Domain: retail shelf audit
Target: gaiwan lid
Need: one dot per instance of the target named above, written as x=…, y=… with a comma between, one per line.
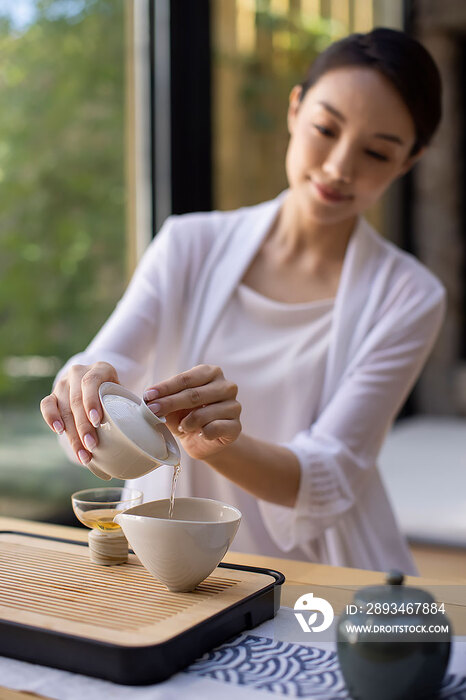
x=392, y=592
x=129, y=414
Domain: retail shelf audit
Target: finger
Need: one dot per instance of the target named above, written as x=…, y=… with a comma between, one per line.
x=194, y=377
x=214, y=392
x=90, y=383
x=194, y=421
x=51, y=414
x=70, y=429
x=224, y=430
x=83, y=436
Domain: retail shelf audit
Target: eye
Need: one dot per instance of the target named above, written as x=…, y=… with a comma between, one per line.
x=377, y=156
x=323, y=130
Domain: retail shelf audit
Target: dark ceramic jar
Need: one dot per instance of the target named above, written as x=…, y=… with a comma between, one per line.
x=401, y=651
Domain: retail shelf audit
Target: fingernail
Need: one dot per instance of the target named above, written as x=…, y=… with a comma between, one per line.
x=155, y=407
x=90, y=442
x=94, y=417
x=151, y=395
x=84, y=457
x=58, y=427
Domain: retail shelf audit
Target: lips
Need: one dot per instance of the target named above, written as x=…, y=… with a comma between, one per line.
x=329, y=194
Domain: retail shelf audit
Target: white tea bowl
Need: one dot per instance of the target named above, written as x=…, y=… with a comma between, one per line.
x=132, y=440
x=180, y=551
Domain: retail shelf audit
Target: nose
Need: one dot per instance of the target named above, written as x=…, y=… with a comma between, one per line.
x=339, y=163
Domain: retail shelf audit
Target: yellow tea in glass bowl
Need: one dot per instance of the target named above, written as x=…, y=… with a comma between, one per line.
x=100, y=518
x=96, y=508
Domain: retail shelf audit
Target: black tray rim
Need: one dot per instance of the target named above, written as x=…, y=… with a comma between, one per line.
x=276, y=584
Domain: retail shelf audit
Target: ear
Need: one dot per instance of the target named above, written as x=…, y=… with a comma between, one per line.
x=411, y=161
x=293, y=107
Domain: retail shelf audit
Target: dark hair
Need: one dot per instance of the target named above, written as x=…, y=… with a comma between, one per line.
x=403, y=60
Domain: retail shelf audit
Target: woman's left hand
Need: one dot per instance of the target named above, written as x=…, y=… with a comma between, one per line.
x=200, y=407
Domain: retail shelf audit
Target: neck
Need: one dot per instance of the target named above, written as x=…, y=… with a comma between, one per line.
x=294, y=235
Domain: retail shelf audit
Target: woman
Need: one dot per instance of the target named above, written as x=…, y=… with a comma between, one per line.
x=294, y=313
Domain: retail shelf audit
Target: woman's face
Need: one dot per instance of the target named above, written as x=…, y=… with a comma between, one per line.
x=350, y=137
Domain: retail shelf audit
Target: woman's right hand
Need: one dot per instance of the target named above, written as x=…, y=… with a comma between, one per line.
x=74, y=406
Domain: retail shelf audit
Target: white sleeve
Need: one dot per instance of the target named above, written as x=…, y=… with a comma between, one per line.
x=337, y=452
x=128, y=338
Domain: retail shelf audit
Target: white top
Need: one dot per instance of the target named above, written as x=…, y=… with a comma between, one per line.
x=265, y=347
x=387, y=313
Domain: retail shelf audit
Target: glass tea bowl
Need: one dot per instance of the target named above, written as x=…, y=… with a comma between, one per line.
x=96, y=508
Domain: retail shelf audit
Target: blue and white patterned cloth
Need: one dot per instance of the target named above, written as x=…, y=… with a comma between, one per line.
x=272, y=663
x=291, y=670
x=283, y=668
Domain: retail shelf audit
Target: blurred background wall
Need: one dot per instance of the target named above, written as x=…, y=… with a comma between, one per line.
x=437, y=203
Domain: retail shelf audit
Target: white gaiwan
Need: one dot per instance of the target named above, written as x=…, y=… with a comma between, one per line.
x=180, y=551
x=132, y=440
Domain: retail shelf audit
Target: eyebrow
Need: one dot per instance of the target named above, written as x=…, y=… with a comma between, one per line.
x=390, y=137
x=333, y=111
x=387, y=137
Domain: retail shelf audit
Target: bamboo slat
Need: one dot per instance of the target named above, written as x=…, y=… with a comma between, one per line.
x=55, y=586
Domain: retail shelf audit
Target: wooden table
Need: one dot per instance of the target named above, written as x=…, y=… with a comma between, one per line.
x=335, y=584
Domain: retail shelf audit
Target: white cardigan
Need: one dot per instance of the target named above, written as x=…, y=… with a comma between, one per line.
x=388, y=311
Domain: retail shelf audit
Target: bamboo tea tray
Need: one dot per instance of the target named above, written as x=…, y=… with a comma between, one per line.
x=59, y=609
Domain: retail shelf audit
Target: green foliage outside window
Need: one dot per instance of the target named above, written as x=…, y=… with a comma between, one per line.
x=62, y=190
x=286, y=46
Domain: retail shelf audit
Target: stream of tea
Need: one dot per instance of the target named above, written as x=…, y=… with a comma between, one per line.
x=176, y=473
